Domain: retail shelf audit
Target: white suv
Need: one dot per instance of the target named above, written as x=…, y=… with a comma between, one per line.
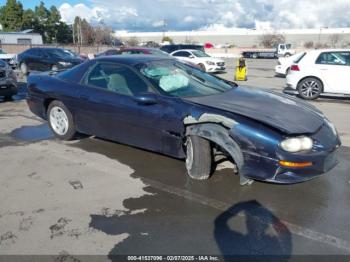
x=320, y=72
x=204, y=61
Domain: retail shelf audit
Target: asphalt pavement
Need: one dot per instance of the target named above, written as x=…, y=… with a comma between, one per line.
x=97, y=197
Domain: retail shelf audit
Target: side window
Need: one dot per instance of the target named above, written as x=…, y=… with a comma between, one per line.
x=182, y=54
x=116, y=78
x=334, y=58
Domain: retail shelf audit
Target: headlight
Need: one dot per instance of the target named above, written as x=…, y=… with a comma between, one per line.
x=297, y=144
x=210, y=63
x=64, y=63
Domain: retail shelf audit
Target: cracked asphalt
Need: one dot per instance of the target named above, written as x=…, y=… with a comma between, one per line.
x=97, y=197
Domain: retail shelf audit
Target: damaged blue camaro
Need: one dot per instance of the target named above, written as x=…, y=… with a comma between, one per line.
x=165, y=106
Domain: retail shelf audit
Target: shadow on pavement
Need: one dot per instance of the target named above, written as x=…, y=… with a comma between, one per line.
x=265, y=233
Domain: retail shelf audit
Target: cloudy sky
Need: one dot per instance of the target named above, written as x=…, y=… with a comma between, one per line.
x=149, y=15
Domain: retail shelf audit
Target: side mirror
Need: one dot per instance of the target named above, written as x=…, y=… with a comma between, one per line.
x=191, y=56
x=146, y=99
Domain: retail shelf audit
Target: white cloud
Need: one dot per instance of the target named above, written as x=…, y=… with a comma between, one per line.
x=194, y=14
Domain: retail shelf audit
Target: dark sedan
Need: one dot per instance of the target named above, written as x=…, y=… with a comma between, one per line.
x=8, y=81
x=162, y=105
x=47, y=59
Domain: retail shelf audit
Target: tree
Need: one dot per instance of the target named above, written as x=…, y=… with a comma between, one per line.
x=132, y=41
x=103, y=35
x=53, y=24
x=167, y=39
x=11, y=16
x=271, y=40
x=29, y=20
x=309, y=44
x=334, y=39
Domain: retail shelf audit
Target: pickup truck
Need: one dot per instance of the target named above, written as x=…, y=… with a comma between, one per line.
x=281, y=50
x=8, y=58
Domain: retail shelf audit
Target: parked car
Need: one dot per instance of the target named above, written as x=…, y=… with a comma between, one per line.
x=8, y=58
x=46, y=59
x=203, y=60
x=320, y=72
x=162, y=105
x=8, y=81
x=173, y=47
x=109, y=52
x=143, y=51
x=284, y=63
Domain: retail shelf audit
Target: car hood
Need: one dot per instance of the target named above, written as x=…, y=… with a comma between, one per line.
x=289, y=115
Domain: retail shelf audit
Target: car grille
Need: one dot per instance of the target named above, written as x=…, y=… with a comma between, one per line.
x=2, y=74
x=220, y=64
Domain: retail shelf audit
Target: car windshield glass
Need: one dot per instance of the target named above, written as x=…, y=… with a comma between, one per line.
x=200, y=54
x=62, y=53
x=176, y=79
x=2, y=52
x=2, y=63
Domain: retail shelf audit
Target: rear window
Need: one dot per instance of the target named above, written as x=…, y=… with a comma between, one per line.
x=296, y=61
x=76, y=73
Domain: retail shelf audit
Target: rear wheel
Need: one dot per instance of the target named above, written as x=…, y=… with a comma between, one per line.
x=255, y=56
x=310, y=88
x=198, y=157
x=61, y=121
x=8, y=98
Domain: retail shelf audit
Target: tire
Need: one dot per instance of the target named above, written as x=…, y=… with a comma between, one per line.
x=202, y=67
x=255, y=56
x=8, y=98
x=24, y=68
x=198, y=157
x=310, y=88
x=54, y=68
x=287, y=55
x=61, y=121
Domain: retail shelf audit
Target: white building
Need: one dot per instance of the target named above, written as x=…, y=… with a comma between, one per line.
x=243, y=37
x=23, y=38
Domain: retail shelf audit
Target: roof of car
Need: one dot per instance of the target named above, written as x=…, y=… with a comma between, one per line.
x=140, y=48
x=132, y=59
x=330, y=50
x=188, y=50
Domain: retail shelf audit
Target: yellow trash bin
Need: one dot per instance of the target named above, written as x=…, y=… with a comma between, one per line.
x=241, y=70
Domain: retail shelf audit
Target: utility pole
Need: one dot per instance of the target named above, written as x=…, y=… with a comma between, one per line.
x=164, y=27
x=73, y=27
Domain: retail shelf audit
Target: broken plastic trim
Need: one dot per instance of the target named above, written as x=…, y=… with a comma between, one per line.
x=210, y=118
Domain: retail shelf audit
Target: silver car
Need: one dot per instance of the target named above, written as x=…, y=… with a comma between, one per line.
x=8, y=81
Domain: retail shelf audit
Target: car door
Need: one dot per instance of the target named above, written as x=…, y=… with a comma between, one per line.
x=110, y=107
x=184, y=55
x=334, y=68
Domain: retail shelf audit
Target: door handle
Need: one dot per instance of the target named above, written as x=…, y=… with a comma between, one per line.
x=324, y=69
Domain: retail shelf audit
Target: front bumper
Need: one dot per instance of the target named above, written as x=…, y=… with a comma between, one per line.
x=323, y=157
x=8, y=86
x=215, y=69
x=269, y=170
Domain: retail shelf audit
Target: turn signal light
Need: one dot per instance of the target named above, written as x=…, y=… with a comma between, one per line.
x=294, y=68
x=294, y=164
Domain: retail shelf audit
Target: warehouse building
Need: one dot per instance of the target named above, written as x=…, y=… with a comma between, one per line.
x=21, y=38
x=242, y=37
